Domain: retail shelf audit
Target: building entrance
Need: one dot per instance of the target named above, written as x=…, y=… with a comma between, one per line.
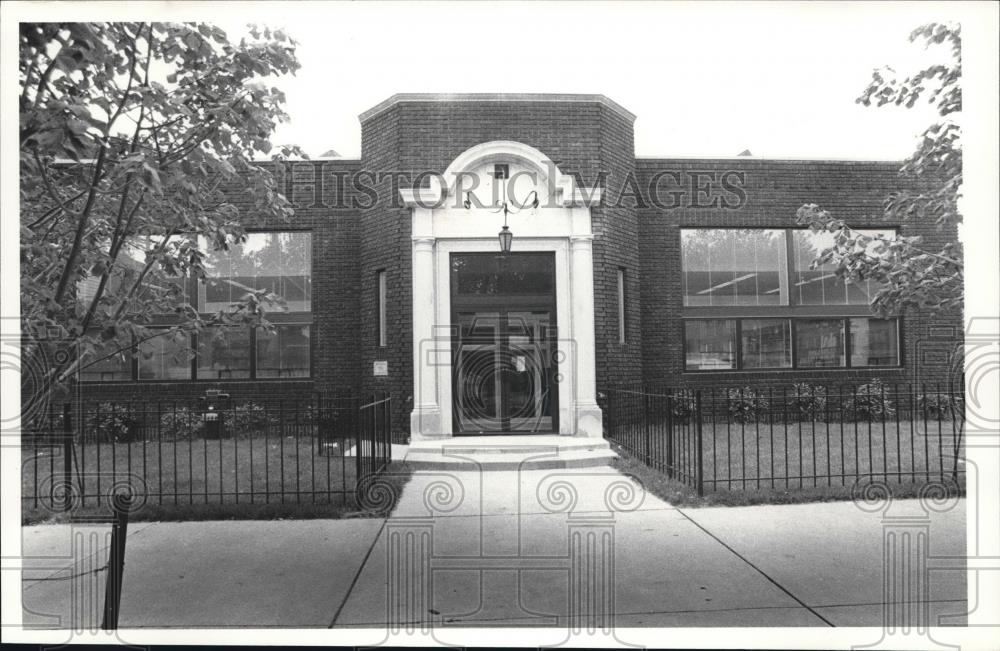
x=504, y=344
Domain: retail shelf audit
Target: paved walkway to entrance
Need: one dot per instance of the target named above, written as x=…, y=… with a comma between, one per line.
x=535, y=548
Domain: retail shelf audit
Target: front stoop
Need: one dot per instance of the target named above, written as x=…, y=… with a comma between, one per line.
x=509, y=452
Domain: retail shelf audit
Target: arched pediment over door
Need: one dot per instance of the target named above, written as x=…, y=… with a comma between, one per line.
x=457, y=212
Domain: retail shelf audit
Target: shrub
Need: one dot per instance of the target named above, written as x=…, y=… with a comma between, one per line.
x=808, y=400
x=870, y=402
x=247, y=418
x=682, y=407
x=109, y=423
x=940, y=405
x=746, y=405
x=181, y=423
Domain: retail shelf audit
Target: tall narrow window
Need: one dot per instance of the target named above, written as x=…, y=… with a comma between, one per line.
x=621, y=305
x=382, y=286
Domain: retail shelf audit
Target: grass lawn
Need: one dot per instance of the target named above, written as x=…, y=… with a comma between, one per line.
x=679, y=494
x=809, y=458
x=249, y=477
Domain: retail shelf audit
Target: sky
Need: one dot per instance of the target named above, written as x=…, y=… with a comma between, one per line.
x=712, y=79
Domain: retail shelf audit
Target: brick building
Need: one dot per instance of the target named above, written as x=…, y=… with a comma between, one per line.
x=622, y=269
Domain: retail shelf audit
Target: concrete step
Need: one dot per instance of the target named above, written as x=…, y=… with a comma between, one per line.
x=509, y=453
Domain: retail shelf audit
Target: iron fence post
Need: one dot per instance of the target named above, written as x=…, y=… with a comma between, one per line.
x=668, y=449
x=700, y=470
x=68, y=455
x=121, y=503
x=645, y=427
x=359, y=439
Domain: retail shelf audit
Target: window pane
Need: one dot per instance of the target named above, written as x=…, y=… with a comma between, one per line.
x=162, y=292
x=284, y=353
x=490, y=274
x=821, y=286
x=874, y=342
x=166, y=357
x=224, y=353
x=767, y=343
x=710, y=344
x=279, y=262
x=116, y=367
x=819, y=343
x=734, y=266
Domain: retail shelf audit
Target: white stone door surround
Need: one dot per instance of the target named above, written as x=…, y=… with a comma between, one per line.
x=561, y=224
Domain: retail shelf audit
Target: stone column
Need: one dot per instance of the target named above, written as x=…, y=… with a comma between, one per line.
x=588, y=414
x=425, y=419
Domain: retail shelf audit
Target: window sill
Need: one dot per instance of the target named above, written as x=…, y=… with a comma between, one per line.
x=814, y=369
x=199, y=382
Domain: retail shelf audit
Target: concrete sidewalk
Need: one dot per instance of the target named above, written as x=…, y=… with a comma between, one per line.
x=503, y=548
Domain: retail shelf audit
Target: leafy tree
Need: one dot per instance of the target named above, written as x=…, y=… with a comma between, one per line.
x=133, y=138
x=912, y=275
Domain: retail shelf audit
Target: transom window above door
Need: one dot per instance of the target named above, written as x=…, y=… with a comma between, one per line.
x=493, y=274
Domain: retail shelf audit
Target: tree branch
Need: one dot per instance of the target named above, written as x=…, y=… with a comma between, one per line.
x=957, y=263
x=51, y=190
x=84, y=217
x=43, y=82
x=131, y=78
x=88, y=206
x=142, y=275
x=54, y=211
x=118, y=239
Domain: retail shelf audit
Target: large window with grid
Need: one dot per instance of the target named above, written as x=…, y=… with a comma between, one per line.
x=279, y=262
x=752, y=302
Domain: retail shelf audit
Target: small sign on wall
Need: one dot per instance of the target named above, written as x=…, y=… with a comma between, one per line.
x=380, y=368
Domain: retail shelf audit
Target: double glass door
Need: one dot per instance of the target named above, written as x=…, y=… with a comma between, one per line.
x=504, y=366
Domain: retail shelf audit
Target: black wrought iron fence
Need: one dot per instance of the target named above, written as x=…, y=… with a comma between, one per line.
x=805, y=435
x=374, y=436
x=207, y=451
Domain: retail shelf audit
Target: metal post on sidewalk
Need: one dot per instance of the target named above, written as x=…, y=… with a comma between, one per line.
x=121, y=503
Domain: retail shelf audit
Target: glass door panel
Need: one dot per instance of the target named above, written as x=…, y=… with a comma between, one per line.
x=477, y=392
x=526, y=375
